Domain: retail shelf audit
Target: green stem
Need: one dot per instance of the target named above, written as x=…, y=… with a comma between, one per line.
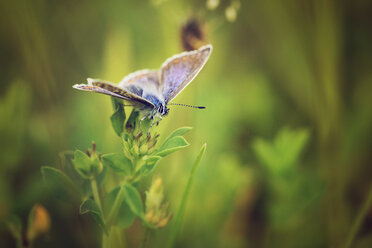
x=19, y=242
x=181, y=209
x=106, y=240
x=95, y=192
x=359, y=220
x=145, y=237
x=115, y=207
x=119, y=237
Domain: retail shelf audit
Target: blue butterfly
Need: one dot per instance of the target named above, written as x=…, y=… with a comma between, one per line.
x=151, y=91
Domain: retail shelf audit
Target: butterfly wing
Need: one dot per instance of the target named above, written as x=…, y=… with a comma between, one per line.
x=104, y=87
x=178, y=71
x=145, y=84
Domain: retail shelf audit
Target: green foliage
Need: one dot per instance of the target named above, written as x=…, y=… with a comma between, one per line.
x=133, y=199
x=122, y=203
x=132, y=124
x=14, y=225
x=118, y=117
x=280, y=63
x=87, y=167
x=61, y=185
x=178, y=132
x=171, y=145
x=118, y=162
x=14, y=112
x=294, y=190
x=149, y=165
x=182, y=207
x=117, y=210
x=282, y=154
x=88, y=206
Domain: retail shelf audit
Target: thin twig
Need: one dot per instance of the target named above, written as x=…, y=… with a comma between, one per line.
x=359, y=220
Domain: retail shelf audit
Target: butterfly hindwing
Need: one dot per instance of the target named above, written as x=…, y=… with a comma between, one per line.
x=178, y=71
x=145, y=84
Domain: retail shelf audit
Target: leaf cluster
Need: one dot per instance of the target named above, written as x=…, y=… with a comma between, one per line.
x=120, y=204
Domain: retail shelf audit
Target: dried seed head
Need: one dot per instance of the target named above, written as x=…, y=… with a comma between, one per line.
x=94, y=146
x=138, y=136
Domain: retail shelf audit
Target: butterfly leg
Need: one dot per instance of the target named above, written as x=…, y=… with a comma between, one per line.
x=140, y=122
x=152, y=123
x=159, y=119
x=144, y=118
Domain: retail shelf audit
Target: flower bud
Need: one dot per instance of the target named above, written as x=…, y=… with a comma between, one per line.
x=88, y=164
x=156, y=210
x=38, y=222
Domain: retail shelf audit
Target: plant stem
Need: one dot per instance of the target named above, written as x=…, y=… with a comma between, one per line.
x=19, y=242
x=119, y=240
x=115, y=207
x=145, y=237
x=181, y=209
x=95, y=192
x=106, y=240
x=359, y=220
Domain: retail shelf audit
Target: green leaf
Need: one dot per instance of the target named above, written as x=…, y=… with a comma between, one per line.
x=178, y=132
x=118, y=117
x=133, y=199
x=266, y=153
x=290, y=143
x=117, y=104
x=86, y=167
x=67, y=166
x=172, y=145
x=182, y=207
x=149, y=166
x=117, y=210
x=82, y=164
x=132, y=121
x=117, y=121
x=283, y=153
x=59, y=183
x=118, y=162
x=88, y=206
x=14, y=225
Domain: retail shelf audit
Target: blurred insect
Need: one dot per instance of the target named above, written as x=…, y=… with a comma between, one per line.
x=193, y=34
x=150, y=91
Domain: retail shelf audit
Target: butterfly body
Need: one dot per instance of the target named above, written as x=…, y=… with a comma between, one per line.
x=150, y=91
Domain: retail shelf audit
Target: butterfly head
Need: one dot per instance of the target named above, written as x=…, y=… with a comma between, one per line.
x=163, y=110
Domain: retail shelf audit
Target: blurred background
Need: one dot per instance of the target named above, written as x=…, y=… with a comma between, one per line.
x=288, y=123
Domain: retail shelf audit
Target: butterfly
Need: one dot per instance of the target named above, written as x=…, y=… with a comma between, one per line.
x=151, y=91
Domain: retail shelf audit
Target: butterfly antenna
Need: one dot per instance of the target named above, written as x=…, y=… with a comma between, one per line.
x=185, y=105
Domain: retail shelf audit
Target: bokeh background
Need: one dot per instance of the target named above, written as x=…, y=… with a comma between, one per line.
x=288, y=123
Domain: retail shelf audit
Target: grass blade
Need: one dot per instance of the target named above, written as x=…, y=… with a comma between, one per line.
x=181, y=209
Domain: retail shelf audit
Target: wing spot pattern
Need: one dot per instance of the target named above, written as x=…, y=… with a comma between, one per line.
x=135, y=90
x=153, y=99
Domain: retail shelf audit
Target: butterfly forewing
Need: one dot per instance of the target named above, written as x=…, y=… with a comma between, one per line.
x=177, y=72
